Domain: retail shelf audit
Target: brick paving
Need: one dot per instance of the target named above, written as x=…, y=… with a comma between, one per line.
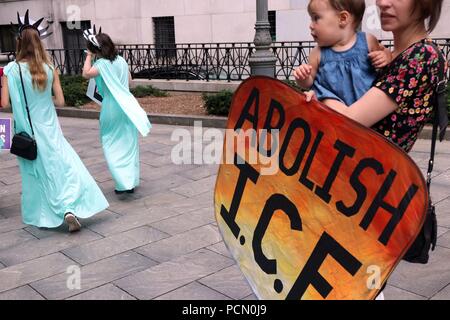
x=162, y=242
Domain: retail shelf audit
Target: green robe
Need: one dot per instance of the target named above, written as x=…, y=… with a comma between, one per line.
x=57, y=182
x=121, y=119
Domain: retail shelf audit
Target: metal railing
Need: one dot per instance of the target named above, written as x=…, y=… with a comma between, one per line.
x=219, y=61
x=212, y=61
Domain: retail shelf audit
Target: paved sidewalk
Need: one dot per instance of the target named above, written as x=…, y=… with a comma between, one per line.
x=163, y=242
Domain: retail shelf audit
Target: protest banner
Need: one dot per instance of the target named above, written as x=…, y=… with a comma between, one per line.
x=92, y=92
x=336, y=218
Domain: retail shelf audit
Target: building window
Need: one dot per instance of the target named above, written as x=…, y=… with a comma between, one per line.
x=74, y=44
x=273, y=25
x=8, y=38
x=73, y=35
x=164, y=32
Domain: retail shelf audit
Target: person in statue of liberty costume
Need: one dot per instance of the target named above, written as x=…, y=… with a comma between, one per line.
x=56, y=186
x=121, y=117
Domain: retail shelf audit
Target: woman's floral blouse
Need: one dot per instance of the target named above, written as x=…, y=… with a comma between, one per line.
x=410, y=80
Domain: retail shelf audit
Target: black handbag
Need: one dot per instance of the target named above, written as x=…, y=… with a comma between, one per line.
x=427, y=238
x=23, y=145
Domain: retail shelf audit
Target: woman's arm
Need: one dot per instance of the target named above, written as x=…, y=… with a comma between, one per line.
x=57, y=90
x=374, y=106
x=88, y=70
x=5, y=93
x=378, y=54
x=408, y=84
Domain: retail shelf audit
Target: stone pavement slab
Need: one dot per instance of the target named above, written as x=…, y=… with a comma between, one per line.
x=9, y=200
x=36, y=248
x=229, y=282
x=193, y=291
x=444, y=240
x=162, y=242
x=181, y=244
x=168, y=276
x=106, y=292
x=11, y=224
x=200, y=201
x=21, y=293
x=132, y=204
x=201, y=172
x=132, y=220
x=186, y=222
x=393, y=293
x=94, y=275
x=443, y=213
x=197, y=187
x=34, y=270
x=116, y=244
x=14, y=238
x=148, y=173
x=444, y=294
x=157, y=186
x=221, y=248
x=424, y=280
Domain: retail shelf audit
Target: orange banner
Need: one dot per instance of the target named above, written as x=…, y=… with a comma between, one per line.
x=337, y=213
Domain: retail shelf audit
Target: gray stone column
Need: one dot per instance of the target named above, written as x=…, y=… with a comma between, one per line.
x=262, y=61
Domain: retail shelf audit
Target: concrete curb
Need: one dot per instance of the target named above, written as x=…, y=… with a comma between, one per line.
x=184, y=120
x=166, y=119
x=188, y=86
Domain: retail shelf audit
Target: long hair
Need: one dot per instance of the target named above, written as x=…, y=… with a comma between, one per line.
x=108, y=49
x=31, y=49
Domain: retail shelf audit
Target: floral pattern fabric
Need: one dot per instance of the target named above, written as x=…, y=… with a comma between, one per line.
x=410, y=80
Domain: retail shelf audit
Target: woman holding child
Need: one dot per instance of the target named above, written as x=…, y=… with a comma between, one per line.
x=399, y=102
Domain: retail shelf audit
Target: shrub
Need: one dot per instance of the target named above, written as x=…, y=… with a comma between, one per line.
x=74, y=88
x=293, y=85
x=145, y=91
x=219, y=103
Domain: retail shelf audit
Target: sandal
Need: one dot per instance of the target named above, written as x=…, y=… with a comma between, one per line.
x=72, y=222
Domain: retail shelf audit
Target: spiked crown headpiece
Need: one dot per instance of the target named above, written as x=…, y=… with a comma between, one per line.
x=91, y=36
x=26, y=23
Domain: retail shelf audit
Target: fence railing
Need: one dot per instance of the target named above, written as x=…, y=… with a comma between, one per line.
x=213, y=61
x=220, y=61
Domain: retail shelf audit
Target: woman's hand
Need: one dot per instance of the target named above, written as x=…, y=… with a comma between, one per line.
x=90, y=54
x=380, y=58
x=88, y=70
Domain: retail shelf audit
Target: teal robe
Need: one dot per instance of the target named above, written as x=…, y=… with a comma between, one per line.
x=121, y=119
x=57, y=182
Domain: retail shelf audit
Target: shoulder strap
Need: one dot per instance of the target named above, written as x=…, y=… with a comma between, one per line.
x=25, y=96
x=441, y=94
x=440, y=111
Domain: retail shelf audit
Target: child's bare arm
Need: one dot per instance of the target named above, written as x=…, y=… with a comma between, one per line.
x=378, y=54
x=306, y=73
